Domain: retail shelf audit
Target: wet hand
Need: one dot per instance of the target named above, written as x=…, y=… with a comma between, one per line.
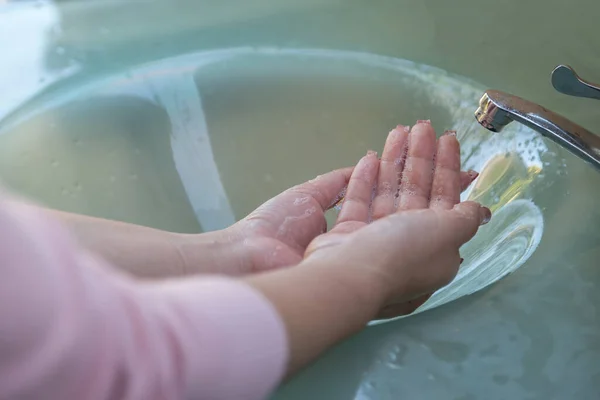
x=412, y=247
x=277, y=233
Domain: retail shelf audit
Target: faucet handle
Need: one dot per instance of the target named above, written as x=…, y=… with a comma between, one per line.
x=565, y=80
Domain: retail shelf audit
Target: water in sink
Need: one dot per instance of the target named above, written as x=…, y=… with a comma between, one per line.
x=197, y=141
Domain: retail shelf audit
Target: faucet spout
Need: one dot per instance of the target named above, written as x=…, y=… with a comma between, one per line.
x=497, y=109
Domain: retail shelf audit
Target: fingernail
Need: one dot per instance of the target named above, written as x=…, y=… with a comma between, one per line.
x=485, y=215
x=396, y=131
x=423, y=121
x=449, y=133
x=401, y=128
x=371, y=153
x=461, y=260
x=473, y=174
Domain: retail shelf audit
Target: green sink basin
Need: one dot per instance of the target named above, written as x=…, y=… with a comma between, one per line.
x=187, y=117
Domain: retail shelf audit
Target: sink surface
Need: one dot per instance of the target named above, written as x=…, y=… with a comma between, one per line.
x=135, y=121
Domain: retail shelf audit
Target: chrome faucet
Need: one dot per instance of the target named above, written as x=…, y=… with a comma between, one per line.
x=497, y=109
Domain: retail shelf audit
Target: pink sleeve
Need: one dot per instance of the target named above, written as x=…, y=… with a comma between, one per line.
x=71, y=328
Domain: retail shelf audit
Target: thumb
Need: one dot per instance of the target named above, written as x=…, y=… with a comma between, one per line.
x=327, y=188
x=464, y=220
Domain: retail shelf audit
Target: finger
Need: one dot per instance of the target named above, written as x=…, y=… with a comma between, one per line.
x=418, y=169
x=446, y=186
x=326, y=189
x=357, y=201
x=466, y=178
x=462, y=222
x=390, y=169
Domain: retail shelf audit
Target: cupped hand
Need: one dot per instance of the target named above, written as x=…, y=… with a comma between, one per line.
x=414, y=242
x=278, y=233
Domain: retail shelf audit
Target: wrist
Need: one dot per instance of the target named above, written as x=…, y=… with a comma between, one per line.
x=367, y=290
x=216, y=252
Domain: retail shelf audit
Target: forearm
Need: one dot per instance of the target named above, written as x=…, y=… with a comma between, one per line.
x=145, y=252
x=319, y=305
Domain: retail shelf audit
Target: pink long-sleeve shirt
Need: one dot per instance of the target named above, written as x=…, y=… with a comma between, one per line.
x=71, y=327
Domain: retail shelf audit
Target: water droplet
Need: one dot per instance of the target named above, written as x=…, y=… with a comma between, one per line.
x=60, y=50
x=310, y=211
x=301, y=200
x=396, y=356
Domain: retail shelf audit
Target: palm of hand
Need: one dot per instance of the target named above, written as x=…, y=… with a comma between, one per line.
x=289, y=227
x=277, y=233
x=412, y=175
